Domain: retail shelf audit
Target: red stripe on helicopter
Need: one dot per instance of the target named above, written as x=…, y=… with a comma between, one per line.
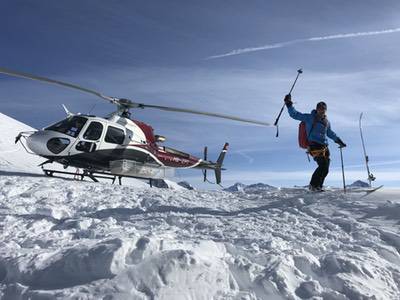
x=169, y=159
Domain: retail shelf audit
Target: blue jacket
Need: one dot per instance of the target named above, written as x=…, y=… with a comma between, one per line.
x=320, y=130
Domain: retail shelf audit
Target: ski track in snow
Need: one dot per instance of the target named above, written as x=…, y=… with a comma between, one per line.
x=66, y=239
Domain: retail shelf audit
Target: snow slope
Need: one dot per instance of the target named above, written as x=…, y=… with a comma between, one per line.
x=64, y=239
x=12, y=156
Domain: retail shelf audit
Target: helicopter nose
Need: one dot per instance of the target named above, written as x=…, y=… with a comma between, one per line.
x=47, y=143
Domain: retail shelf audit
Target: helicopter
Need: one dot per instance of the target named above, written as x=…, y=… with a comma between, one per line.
x=116, y=145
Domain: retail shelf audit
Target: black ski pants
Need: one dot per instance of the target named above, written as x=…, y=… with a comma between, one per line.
x=322, y=158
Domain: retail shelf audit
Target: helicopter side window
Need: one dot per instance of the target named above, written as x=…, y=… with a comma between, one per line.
x=93, y=132
x=114, y=135
x=71, y=126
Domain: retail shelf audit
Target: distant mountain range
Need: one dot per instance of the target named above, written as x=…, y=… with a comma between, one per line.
x=241, y=187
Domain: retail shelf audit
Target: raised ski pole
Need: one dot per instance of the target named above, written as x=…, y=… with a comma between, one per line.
x=299, y=71
x=341, y=159
x=370, y=175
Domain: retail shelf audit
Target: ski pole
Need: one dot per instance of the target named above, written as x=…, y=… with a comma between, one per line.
x=299, y=71
x=341, y=159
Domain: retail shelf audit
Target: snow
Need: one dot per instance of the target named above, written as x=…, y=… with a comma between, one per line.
x=66, y=239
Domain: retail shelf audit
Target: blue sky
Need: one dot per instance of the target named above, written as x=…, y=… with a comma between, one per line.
x=158, y=52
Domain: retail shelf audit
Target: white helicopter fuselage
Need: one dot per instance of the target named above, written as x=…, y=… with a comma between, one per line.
x=96, y=143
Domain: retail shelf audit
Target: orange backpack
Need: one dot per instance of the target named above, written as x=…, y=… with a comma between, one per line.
x=303, y=138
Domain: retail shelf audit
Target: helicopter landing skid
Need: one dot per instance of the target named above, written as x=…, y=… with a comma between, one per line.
x=94, y=175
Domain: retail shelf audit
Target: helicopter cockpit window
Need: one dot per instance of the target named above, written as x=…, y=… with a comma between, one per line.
x=115, y=135
x=93, y=132
x=71, y=126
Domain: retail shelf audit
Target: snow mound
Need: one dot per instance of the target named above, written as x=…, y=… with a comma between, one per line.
x=186, y=185
x=167, y=184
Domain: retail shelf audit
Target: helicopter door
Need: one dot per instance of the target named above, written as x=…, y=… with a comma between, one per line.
x=90, y=140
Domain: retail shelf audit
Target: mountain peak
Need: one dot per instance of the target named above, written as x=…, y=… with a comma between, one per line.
x=359, y=183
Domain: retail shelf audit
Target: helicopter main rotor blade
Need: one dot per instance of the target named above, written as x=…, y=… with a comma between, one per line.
x=126, y=103
x=57, y=82
x=196, y=112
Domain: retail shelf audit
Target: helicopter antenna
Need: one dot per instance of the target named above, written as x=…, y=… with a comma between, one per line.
x=93, y=106
x=125, y=104
x=69, y=114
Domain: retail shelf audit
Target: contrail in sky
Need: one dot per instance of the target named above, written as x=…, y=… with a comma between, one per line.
x=312, y=39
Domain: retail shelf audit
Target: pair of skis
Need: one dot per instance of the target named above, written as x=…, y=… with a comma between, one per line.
x=367, y=191
x=364, y=191
x=371, y=177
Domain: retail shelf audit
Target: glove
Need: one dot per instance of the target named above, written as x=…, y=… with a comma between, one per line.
x=340, y=143
x=288, y=100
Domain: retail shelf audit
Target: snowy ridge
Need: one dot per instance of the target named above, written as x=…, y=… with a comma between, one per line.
x=65, y=239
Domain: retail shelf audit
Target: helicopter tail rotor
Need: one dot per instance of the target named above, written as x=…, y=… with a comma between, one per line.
x=220, y=160
x=205, y=159
x=216, y=166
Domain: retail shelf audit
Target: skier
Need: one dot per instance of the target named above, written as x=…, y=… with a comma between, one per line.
x=317, y=129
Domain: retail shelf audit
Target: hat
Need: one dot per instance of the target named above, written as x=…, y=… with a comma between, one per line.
x=322, y=104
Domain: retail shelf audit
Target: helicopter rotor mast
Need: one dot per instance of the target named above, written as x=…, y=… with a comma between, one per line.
x=125, y=104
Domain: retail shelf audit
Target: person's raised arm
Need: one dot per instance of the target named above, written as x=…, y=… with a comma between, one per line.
x=293, y=113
